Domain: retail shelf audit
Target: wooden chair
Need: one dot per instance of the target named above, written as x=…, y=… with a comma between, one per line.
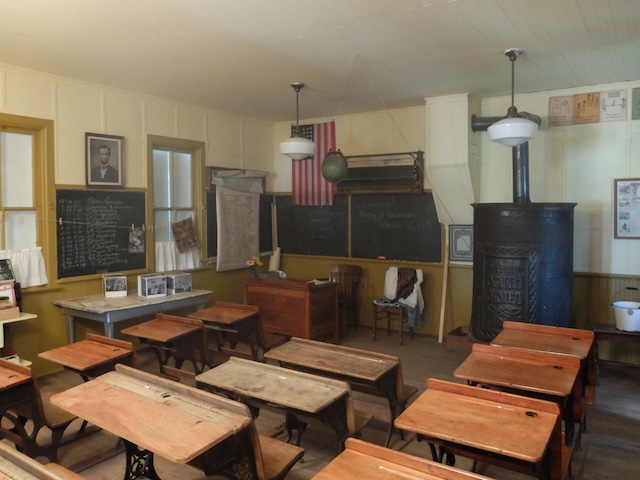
x=348, y=279
x=24, y=413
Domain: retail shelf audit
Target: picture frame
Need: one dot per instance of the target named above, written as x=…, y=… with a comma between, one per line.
x=626, y=201
x=6, y=271
x=461, y=243
x=114, y=285
x=104, y=155
x=7, y=295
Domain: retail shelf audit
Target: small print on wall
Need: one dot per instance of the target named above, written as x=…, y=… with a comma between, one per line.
x=561, y=111
x=105, y=160
x=586, y=108
x=613, y=105
x=627, y=208
x=461, y=243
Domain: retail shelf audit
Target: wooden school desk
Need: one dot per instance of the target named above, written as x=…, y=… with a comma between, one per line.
x=561, y=340
x=110, y=311
x=507, y=430
x=152, y=415
x=369, y=372
x=527, y=372
x=237, y=320
x=93, y=356
x=299, y=395
x=174, y=337
x=17, y=466
x=365, y=460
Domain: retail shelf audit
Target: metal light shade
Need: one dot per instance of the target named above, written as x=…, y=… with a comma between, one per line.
x=512, y=131
x=298, y=148
x=334, y=166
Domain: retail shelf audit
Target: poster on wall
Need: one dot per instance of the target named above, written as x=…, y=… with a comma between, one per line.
x=613, y=105
x=635, y=108
x=561, y=111
x=586, y=108
x=627, y=208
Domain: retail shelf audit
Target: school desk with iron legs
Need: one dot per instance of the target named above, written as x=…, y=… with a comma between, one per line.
x=300, y=396
x=365, y=371
x=527, y=372
x=154, y=415
x=511, y=431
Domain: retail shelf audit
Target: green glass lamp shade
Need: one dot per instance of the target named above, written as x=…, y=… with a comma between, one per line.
x=334, y=167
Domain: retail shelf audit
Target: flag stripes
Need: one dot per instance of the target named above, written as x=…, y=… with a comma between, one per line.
x=308, y=187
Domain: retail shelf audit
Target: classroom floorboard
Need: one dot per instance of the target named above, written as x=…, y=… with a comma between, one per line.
x=610, y=447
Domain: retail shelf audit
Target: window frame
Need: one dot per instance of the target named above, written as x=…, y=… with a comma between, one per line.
x=197, y=151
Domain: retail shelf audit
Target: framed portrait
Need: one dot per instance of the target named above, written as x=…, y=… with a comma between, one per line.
x=6, y=272
x=105, y=160
x=461, y=243
x=626, y=202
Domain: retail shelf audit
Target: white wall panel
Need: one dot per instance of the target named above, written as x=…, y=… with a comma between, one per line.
x=161, y=117
x=224, y=140
x=28, y=94
x=192, y=123
x=257, y=141
x=80, y=109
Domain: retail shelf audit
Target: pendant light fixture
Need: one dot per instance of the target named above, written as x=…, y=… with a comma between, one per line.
x=297, y=147
x=512, y=130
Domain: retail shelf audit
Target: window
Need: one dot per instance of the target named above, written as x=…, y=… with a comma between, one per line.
x=25, y=189
x=177, y=194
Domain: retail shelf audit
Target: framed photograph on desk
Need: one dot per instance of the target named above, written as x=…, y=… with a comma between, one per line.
x=6, y=271
x=105, y=160
x=461, y=243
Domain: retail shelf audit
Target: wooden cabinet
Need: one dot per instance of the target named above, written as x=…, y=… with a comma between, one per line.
x=294, y=307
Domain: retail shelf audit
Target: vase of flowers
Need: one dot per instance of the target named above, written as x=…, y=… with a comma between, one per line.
x=253, y=263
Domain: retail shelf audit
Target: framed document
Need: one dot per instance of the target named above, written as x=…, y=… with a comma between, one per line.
x=627, y=208
x=105, y=160
x=461, y=243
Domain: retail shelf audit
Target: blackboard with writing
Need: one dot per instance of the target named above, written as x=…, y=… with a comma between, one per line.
x=396, y=227
x=99, y=231
x=307, y=230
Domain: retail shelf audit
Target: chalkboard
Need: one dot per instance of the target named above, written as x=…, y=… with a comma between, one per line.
x=314, y=230
x=95, y=232
x=265, y=233
x=397, y=227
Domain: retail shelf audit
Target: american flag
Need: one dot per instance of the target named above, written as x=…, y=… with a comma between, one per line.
x=308, y=187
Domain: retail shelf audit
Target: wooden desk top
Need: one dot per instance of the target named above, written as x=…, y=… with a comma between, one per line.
x=479, y=418
x=366, y=460
x=539, y=372
x=10, y=378
x=276, y=385
x=17, y=466
x=164, y=328
x=564, y=341
x=90, y=353
x=172, y=420
x=225, y=313
x=336, y=359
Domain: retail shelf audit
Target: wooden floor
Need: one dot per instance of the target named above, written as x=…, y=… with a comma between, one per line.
x=610, y=447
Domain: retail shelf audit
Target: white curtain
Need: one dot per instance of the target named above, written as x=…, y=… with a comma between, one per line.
x=168, y=258
x=28, y=266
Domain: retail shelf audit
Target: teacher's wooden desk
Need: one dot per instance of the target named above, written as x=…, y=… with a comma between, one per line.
x=527, y=372
x=499, y=428
x=365, y=460
x=112, y=310
x=369, y=372
x=298, y=395
x=154, y=415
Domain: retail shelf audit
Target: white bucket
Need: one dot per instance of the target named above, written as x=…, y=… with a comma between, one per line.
x=627, y=316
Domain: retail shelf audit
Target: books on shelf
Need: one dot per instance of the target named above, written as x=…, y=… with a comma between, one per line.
x=7, y=295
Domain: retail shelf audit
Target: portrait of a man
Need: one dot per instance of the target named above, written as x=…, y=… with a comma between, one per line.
x=104, y=160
